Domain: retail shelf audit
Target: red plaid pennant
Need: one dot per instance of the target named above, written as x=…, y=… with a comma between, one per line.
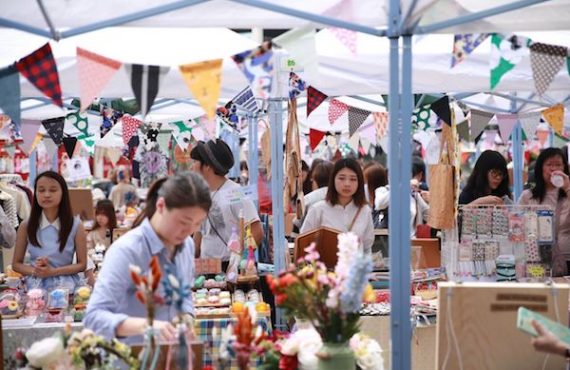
x=315, y=137
x=130, y=127
x=314, y=99
x=40, y=69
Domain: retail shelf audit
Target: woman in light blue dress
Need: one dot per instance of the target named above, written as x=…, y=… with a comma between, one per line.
x=51, y=237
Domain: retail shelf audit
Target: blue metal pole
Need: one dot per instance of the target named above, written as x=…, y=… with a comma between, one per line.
x=253, y=165
x=475, y=16
x=235, y=170
x=312, y=17
x=130, y=17
x=24, y=27
x=33, y=167
x=516, y=138
x=524, y=100
x=279, y=242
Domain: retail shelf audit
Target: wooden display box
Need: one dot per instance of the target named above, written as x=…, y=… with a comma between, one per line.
x=327, y=245
x=197, y=350
x=82, y=203
x=206, y=266
x=483, y=317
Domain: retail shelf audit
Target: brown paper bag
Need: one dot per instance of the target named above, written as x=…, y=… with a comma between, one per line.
x=441, y=186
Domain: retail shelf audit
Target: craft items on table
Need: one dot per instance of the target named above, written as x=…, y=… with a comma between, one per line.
x=500, y=243
x=10, y=304
x=36, y=302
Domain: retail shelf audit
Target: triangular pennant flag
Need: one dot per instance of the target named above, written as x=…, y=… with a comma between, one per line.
x=246, y=100
x=134, y=142
x=94, y=72
x=356, y=118
x=555, y=117
x=51, y=147
x=296, y=85
x=10, y=96
x=336, y=109
x=145, y=81
x=130, y=127
x=40, y=69
x=88, y=142
x=559, y=141
x=30, y=134
x=369, y=133
x=347, y=37
x=113, y=154
x=204, y=79
x=381, y=124
x=490, y=136
x=182, y=133
x=365, y=145
x=529, y=123
x=441, y=108
x=110, y=118
x=464, y=44
x=479, y=120
x=463, y=130
x=314, y=99
x=10, y=149
x=315, y=137
x=257, y=66
x=69, y=144
x=164, y=141
x=506, y=122
x=421, y=117
x=54, y=128
x=79, y=121
x=546, y=60
x=353, y=142
x=505, y=54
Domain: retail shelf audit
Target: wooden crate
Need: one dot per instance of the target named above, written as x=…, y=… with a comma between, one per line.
x=483, y=317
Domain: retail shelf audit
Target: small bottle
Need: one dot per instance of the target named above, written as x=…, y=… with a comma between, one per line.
x=557, y=180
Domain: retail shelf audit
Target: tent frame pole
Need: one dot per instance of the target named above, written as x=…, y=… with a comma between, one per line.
x=432, y=28
x=253, y=165
x=517, y=153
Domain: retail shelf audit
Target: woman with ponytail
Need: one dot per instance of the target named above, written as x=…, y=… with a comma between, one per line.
x=175, y=209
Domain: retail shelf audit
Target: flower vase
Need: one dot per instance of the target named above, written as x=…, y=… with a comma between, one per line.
x=151, y=350
x=180, y=355
x=336, y=356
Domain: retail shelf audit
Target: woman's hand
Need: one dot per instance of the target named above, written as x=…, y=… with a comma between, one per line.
x=44, y=271
x=545, y=341
x=166, y=332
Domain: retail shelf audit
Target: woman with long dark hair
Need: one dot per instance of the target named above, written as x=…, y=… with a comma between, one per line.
x=345, y=207
x=551, y=189
x=52, y=237
x=176, y=207
x=105, y=222
x=489, y=181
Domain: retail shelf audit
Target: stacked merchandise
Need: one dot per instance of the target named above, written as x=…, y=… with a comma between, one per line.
x=501, y=243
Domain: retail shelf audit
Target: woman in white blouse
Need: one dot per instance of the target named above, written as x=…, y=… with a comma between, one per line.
x=345, y=207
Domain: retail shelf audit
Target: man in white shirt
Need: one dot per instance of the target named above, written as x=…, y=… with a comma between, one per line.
x=213, y=160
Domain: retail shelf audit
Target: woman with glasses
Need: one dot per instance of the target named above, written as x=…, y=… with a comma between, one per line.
x=551, y=188
x=489, y=181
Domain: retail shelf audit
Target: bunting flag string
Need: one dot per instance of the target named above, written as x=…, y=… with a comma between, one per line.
x=257, y=66
x=80, y=121
x=94, y=72
x=506, y=122
x=441, y=108
x=204, y=79
x=88, y=142
x=10, y=96
x=69, y=144
x=555, y=117
x=505, y=54
x=246, y=101
x=463, y=130
x=182, y=133
x=130, y=127
x=464, y=44
x=479, y=120
x=296, y=85
x=529, y=123
x=145, y=81
x=314, y=99
x=54, y=128
x=315, y=137
x=40, y=69
x=356, y=118
x=336, y=109
x=546, y=61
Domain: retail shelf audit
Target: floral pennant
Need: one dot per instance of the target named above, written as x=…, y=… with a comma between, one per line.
x=505, y=55
x=182, y=133
x=464, y=44
x=257, y=66
x=296, y=85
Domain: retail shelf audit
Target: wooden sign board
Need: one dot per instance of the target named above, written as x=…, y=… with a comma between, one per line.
x=327, y=245
x=82, y=203
x=430, y=253
x=483, y=319
x=204, y=266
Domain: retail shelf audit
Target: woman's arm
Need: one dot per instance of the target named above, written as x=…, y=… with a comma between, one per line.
x=80, y=250
x=18, y=264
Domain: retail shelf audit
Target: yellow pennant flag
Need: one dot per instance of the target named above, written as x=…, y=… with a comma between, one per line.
x=36, y=141
x=204, y=79
x=555, y=117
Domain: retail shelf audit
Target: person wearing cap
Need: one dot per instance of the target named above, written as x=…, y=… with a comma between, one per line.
x=213, y=160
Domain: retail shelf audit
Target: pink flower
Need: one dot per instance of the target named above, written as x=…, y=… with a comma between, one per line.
x=311, y=253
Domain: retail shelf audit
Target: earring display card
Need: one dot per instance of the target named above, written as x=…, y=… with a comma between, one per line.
x=516, y=228
x=545, y=227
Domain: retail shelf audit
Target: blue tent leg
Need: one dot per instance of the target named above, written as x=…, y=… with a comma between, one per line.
x=516, y=138
x=277, y=181
x=253, y=165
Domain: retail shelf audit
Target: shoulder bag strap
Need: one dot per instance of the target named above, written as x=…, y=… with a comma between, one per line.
x=354, y=219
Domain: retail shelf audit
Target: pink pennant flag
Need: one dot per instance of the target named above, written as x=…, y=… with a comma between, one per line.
x=506, y=123
x=336, y=109
x=130, y=127
x=94, y=72
x=381, y=123
x=346, y=37
x=368, y=132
